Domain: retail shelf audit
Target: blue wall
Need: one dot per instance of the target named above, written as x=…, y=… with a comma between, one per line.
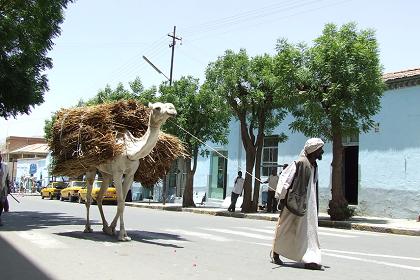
x=389, y=159
x=389, y=169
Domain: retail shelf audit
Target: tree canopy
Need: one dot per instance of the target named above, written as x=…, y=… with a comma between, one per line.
x=26, y=32
x=136, y=91
x=343, y=82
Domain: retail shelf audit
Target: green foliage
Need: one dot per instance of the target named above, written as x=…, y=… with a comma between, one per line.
x=48, y=127
x=26, y=32
x=136, y=92
x=342, y=82
x=257, y=89
x=200, y=113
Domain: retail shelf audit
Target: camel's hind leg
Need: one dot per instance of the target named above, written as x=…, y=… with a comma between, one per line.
x=90, y=177
x=106, y=181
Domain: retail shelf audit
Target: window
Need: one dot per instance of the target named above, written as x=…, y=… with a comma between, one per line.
x=351, y=140
x=269, y=155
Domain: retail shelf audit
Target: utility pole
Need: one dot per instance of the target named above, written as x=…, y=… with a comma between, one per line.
x=174, y=38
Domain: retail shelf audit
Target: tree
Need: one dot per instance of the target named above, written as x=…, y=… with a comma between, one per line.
x=136, y=91
x=341, y=91
x=256, y=90
x=26, y=32
x=202, y=117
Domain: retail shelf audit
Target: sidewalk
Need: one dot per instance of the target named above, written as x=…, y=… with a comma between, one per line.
x=375, y=224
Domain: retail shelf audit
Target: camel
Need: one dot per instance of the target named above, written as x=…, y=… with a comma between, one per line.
x=122, y=168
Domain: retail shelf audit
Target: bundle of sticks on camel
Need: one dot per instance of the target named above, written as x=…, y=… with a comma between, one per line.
x=122, y=141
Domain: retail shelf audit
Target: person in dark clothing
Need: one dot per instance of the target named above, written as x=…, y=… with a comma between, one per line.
x=4, y=187
x=272, y=185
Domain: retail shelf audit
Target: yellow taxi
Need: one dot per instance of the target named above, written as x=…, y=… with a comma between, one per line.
x=71, y=193
x=110, y=194
x=52, y=190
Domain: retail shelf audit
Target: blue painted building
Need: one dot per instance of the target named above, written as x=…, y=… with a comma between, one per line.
x=381, y=168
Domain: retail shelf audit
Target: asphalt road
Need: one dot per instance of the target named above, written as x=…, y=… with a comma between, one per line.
x=43, y=239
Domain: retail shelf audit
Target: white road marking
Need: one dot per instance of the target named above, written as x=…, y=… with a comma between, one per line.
x=110, y=244
x=359, y=259
x=241, y=233
x=373, y=261
x=271, y=232
x=257, y=230
x=258, y=243
x=371, y=255
x=337, y=234
x=199, y=234
x=349, y=231
x=346, y=231
x=41, y=240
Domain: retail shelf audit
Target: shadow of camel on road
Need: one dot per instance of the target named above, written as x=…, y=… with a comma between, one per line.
x=147, y=237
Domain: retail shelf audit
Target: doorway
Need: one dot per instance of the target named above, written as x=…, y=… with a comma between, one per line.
x=351, y=174
x=218, y=175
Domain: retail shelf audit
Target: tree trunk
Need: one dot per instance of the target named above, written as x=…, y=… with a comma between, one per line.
x=247, y=203
x=187, y=198
x=338, y=207
x=257, y=181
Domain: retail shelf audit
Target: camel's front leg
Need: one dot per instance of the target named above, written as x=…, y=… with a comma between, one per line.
x=104, y=186
x=90, y=176
x=122, y=189
x=128, y=181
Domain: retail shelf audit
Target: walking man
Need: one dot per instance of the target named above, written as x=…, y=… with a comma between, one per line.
x=4, y=183
x=237, y=191
x=296, y=235
x=272, y=181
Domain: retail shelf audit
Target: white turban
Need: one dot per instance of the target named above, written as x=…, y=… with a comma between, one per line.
x=311, y=146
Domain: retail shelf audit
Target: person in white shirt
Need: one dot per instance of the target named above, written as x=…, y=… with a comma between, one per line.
x=237, y=191
x=272, y=185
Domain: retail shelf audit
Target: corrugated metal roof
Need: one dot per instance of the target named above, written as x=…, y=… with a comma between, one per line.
x=32, y=149
x=404, y=74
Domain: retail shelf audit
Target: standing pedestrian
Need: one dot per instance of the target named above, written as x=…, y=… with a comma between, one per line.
x=296, y=235
x=237, y=191
x=272, y=185
x=4, y=186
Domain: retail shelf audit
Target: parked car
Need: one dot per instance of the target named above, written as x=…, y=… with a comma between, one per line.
x=52, y=190
x=110, y=194
x=71, y=193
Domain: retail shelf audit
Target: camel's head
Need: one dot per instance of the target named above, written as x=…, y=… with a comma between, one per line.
x=161, y=112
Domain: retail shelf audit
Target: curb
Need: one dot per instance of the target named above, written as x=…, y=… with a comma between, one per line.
x=322, y=221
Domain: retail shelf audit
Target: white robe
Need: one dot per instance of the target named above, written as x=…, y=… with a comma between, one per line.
x=296, y=238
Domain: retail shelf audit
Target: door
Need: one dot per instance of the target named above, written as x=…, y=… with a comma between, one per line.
x=218, y=175
x=351, y=174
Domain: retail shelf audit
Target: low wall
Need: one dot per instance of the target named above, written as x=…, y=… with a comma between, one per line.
x=401, y=204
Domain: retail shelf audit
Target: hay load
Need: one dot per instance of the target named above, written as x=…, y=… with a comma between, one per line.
x=86, y=136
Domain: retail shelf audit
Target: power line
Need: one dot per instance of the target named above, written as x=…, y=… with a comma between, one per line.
x=247, y=16
x=263, y=21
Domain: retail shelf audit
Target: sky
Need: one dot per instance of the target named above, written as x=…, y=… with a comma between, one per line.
x=102, y=41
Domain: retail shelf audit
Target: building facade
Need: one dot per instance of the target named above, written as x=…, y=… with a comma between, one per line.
x=381, y=176
x=18, y=149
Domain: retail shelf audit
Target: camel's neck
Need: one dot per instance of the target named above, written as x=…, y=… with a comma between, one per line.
x=142, y=146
